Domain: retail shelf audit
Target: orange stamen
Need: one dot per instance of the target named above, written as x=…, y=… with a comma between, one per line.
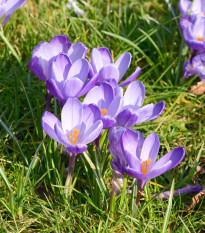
x=202, y=12
x=104, y=111
x=73, y=139
x=199, y=38
x=145, y=166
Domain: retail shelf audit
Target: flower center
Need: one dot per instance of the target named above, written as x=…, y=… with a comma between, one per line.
x=199, y=38
x=145, y=166
x=202, y=12
x=104, y=111
x=73, y=139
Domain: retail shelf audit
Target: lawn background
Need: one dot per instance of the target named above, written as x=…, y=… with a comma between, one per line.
x=33, y=171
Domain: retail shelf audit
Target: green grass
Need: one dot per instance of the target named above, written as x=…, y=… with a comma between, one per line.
x=32, y=170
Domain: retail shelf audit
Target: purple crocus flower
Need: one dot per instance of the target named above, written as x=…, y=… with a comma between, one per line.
x=68, y=79
x=46, y=52
x=196, y=9
x=79, y=125
x=102, y=63
x=194, y=33
x=7, y=8
x=195, y=67
x=105, y=98
x=132, y=113
x=119, y=161
x=143, y=166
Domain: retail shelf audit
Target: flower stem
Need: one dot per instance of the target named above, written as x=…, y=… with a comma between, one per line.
x=68, y=180
x=48, y=97
x=139, y=191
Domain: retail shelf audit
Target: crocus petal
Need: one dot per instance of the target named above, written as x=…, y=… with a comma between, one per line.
x=101, y=95
x=99, y=58
x=132, y=161
x=54, y=89
x=115, y=106
x=134, y=95
x=62, y=136
x=71, y=115
x=150, y=148
x=36, y=68
x=184, y=6
x=60, y=68
x=118, y=91
x=150, y=112
x=198, y=7
x=79, y=69
x=108, y=122
x=77, y=149
x=167, y=162
x=93, y=132
x=133, y=173
x=91, y=114
x=126, y=118
x=48, y=122
x=123, y=63
x=10, y=7
x=88, y=85
x=77, y=51
x=187, y=189
x=131, y=78
x=109, y=72
x=71, y=87
x=132, y=142
x=59, y=43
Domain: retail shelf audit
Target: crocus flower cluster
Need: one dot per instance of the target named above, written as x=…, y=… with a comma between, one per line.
x=192, y=24
x=69, y=76
x=7, y=8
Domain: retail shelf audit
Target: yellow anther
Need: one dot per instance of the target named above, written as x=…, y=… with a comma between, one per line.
x=73, y=139
x=104, y=111
x=145, y=166
x=199, y=38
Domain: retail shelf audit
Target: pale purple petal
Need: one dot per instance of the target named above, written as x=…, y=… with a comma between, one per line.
x=126, y=118
x=48, y=122
x=134, y=95
x=79, y=69
x=108, y=121
x=99, y=58
x=131, y=143
x=131, y=78
x=167, y=162
x=54, y=89
x=60, y=68
x=184, y=6
x=132, y=161
x=109, y=72
x=88, y=85
x=133, y=173
x=150, y=149
x=123, y=63
x=59, y=44
x=71, y=87
x=77, y=51
x=150, y=112
x=77, y=149
x=37, y=69
x=115, y=106
x=93, y=132
x=71, y=115
x=9, y=7
x=101, y=95
x=62, y=136
x=187, y=190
